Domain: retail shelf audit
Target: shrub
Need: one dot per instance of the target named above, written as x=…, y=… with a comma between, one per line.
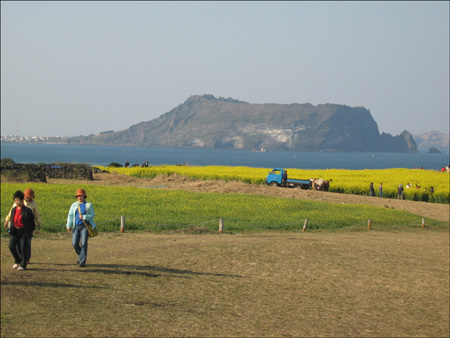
x=7, y=162
x=115, y=165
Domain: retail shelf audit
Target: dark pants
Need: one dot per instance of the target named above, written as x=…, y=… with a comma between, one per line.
x=28, y=247
x=20, y=240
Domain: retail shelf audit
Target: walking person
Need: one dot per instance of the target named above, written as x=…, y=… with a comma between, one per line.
x=22, y=226
x=30, y=203
x=372, y=190
x=380, y=190
x=80, y=212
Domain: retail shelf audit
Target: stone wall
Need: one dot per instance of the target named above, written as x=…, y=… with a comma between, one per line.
x=40, y=172
x=69, y=171
x=23, y=173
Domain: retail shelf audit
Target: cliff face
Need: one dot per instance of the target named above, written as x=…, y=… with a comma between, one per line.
x=403, y=143
x=206, y=121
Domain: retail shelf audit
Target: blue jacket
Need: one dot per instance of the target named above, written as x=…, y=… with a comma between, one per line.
x=89, y=217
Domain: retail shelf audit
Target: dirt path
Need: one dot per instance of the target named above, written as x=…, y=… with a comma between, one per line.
x=432, y=210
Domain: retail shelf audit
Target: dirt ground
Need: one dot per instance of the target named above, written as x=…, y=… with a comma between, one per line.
x=436, y=211
x=271, y=284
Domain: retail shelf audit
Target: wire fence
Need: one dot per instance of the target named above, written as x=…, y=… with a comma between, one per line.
x=123, y=224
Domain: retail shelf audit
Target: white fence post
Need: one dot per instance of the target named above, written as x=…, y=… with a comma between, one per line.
x=221, y=225
x=122, y=223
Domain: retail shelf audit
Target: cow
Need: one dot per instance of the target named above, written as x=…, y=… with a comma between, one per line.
x=320, y=184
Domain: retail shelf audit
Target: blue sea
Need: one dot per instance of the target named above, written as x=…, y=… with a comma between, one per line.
x=104, y=155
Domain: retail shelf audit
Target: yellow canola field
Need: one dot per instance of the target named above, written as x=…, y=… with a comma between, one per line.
x=342, y=181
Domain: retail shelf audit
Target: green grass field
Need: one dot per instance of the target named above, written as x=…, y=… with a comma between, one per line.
x=157, y=209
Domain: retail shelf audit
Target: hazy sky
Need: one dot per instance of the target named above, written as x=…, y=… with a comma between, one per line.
x=80, y=68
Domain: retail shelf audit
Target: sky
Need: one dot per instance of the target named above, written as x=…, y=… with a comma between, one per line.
x=78, y=68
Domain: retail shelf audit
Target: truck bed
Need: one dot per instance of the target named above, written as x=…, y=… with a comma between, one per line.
x=297, y=181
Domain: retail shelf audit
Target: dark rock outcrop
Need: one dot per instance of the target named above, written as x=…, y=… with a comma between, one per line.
x=433, y=150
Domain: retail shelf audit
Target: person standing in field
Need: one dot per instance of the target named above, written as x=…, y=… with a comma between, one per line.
x=284, y=179
x=380, y=190
x=372, y=190
x=30, y=203
x=400, y=192
x=80, y=212
x=22, y=226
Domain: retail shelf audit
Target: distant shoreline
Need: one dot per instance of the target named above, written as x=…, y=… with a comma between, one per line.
x=104, y=155
x=255, y=151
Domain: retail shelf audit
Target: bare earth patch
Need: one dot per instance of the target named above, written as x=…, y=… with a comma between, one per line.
x=436, y=211
x=326, y=284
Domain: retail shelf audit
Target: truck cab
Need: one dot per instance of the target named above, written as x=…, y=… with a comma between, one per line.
x=275, y=178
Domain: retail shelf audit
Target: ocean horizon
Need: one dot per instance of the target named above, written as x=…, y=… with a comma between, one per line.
x=104, y=155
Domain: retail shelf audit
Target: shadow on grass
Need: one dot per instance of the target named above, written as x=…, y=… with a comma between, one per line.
x=92, y=269
x=125, y=269
x=161, y=269
x=53, y=285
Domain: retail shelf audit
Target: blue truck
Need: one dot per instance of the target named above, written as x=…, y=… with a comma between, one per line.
x=275, y=178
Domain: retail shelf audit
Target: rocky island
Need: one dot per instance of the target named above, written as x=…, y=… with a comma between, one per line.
x=208, y=122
